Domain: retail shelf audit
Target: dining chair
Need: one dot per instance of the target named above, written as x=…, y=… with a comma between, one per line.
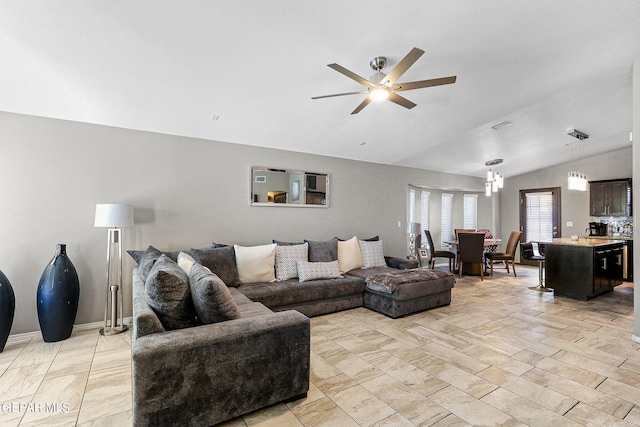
x=438, y=254
x=462, y=230
x=487, y=233
x=471, y=250
x=508, y=256
x=457, y=231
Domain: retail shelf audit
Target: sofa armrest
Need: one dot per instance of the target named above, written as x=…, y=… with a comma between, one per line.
x=401, y=263
x=223, y=370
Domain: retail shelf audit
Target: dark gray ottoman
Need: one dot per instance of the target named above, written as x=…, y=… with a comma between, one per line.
x=404, y=292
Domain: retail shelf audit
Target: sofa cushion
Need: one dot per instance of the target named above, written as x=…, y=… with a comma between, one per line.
x=145, y=260
x=185, y=261
x=281, y=243
x=221, y=261
x=293, y=292
x=167, y=293
x=323, y=251
x=318, y=270
x=349, y=255
x=256, y=263
x=372, y=254
x=287, y=257
x=211, y=297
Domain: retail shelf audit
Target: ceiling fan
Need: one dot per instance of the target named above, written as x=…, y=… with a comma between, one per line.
x=383, y=86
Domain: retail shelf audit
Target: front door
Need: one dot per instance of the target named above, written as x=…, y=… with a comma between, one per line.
x=539, y=216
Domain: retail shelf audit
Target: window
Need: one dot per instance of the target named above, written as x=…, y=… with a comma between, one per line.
x=470, y=211
x=424, y=211
x=447, y=211
x=412, y=205
x=539, y=216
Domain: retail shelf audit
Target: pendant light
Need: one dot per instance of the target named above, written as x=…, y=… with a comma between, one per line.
x=495, y=180
x=577, y=180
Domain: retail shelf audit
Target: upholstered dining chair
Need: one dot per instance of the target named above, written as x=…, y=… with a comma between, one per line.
x=508, y=256
x=438, y=254
x=471, y=250
x=487, y=233
x=462, y=230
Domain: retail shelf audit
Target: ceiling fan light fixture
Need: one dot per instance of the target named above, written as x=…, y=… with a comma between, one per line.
x=379, y=94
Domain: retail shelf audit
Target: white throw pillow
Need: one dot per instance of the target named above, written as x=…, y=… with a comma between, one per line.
x=256, y=263
x=372, y=254
x=318, y=270
x=185, y=261
x=287, y=258
x=349, y=256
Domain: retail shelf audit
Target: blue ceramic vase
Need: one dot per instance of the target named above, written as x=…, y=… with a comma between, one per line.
x=7, y=309
x=58, y=294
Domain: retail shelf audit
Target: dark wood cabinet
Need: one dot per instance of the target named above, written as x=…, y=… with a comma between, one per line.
x=610, y=198
x=583, y=271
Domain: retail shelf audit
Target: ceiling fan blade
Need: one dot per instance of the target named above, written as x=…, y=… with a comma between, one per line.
x=403, y=65
x=363, y=104
x=394, y=97
x=351, y=75
x=424, y=83
x=339, y=94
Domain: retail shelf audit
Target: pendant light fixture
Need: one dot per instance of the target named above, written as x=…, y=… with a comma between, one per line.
x=495, y=180
x=577, y=180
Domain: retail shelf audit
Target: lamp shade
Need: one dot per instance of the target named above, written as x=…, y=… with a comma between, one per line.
x=412, y=228
x=113, y=215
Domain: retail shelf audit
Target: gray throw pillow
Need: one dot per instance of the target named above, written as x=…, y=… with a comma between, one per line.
x=221, y=261
x=145, y=260
x=167, y=293
x=323, y=251
x=211, y=297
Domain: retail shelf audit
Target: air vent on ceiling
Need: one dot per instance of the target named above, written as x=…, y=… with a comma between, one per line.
x=501, y=125
x=577, y=134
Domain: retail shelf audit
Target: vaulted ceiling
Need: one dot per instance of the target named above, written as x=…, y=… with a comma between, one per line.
x=245, y=71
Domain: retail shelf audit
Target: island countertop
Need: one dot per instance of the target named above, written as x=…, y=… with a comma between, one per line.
x=585, y=242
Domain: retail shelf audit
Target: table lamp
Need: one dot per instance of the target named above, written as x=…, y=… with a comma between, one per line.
x=114, y=216
x=412, y=228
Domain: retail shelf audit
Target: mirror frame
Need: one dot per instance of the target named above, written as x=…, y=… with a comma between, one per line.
x=301, y=188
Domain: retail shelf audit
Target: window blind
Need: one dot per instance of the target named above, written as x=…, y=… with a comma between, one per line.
x=447, y=211
x=470, y=211
x=539, y=224
x=424, y=211
x=412, y=205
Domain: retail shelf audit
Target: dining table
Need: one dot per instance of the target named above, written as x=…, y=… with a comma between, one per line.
x=490, y=245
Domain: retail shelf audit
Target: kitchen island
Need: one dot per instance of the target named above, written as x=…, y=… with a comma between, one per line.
x=583, y=268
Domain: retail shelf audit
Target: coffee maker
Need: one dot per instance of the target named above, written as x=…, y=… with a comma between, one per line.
x=598, y=229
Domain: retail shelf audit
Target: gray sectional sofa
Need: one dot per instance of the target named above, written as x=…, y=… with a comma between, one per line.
x=208, y=373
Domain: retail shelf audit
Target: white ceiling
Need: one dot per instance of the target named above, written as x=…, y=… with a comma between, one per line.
x=169, y=66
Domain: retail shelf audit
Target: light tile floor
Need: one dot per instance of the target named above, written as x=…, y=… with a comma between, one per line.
x=502, y=354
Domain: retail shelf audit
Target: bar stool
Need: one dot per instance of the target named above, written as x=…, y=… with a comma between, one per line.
x=534, y=251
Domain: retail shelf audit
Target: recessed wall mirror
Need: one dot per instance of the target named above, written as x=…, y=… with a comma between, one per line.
x=280, y=187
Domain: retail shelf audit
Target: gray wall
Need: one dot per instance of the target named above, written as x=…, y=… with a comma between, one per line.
x=574, y=205
x=186, y=193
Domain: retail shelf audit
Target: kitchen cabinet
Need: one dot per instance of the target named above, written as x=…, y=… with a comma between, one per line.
x=610, y=198
x=584, y=268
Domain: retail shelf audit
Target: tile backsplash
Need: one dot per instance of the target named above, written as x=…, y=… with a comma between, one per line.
x=623, y=226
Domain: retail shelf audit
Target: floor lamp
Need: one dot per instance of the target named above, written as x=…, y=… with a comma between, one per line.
x=114, y=216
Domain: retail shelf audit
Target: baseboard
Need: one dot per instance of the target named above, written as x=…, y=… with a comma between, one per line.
x=28, y=336
x=635, y=338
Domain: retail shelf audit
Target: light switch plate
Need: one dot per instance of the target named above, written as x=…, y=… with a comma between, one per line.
x=569, y=223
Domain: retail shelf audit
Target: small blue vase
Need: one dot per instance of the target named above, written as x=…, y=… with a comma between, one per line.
x=7, y=309
x=58, y=294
